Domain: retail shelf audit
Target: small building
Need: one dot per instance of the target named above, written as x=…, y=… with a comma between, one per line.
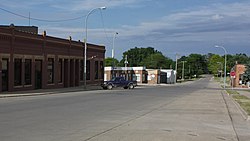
x=153, y=76
x=167, y=76
x=31, y=61
x=138, y=74
x=239, y=71
x=141, y=74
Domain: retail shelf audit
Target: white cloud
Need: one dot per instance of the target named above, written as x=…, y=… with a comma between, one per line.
x=217, y=17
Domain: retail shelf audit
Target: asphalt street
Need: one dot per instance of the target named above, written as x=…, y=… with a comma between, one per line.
x=193, y=111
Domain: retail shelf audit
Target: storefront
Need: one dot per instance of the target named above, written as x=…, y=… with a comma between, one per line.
x=32, y=61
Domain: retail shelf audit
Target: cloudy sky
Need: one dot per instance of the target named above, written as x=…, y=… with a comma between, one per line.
x=170, y=26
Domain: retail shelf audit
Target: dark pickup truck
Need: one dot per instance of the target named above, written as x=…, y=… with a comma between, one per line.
x=119, y=82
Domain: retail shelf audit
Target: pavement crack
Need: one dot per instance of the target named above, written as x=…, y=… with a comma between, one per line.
x=128, y=121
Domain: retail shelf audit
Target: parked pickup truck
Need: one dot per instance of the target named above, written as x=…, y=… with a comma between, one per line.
x=119, y=82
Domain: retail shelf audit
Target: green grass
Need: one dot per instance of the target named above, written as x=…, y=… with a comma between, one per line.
x=243, y=101
x=232, y=91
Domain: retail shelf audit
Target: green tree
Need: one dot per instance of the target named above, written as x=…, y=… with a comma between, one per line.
x=137, y=56
x=238, y=58
x=213, y=64
x=197, y=64
x=246, y=75
x=109, y=62
x=157, y=61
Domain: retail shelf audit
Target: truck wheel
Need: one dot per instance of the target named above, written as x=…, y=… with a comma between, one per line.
x=109, y=87
x=131, y=86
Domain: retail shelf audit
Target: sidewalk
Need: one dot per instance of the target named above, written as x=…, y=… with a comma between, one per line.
x=48, y=91
x=71, y=89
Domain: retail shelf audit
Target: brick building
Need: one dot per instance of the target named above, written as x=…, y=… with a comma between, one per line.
x=239, y=71
x=32, y=61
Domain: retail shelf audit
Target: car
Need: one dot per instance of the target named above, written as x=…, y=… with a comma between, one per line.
x=119, y=82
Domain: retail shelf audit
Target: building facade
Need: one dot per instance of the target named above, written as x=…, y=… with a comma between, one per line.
x=141, y=74
x=239, y=71
x=31, y=61
x=138, y=74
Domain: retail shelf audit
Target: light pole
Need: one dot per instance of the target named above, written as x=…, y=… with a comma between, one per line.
x=113, y=54
x=221, y=70
x=225, y=67
x=85, y=42
x=183, y=66
x=176, y=63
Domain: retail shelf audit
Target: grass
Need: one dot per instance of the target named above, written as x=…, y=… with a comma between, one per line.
x=243, y=101
x=232, y=92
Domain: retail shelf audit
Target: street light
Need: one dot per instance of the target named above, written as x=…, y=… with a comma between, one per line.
x=176, y=67
x=113, y=54
x=183, y=62
x=225, y=67
x=85, y=42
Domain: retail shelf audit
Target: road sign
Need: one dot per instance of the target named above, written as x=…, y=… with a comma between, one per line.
x=232, y=73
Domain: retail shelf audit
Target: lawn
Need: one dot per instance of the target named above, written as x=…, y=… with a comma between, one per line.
x=243, y=101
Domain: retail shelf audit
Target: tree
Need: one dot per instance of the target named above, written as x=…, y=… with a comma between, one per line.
x=109, y=62
x=148, y=57
x=197, y=64
x=157, y=61
x=213, y=64
x=246, y=75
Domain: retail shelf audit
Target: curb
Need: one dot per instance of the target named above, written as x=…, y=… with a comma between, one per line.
x=12, y=95
x=242, y=111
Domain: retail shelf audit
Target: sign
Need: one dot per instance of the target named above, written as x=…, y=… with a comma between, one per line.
x=232, y=74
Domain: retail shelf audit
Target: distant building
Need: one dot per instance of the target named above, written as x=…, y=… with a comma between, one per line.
x=138, y=74
x=141, y=74
x=239, y=71
x=31, y=61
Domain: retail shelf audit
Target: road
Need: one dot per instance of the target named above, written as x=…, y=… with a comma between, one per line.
x=193, y=111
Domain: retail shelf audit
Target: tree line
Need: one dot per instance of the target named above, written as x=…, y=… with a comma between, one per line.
x=194, y=64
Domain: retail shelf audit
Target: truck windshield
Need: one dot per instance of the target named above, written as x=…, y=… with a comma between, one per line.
x=117, y=79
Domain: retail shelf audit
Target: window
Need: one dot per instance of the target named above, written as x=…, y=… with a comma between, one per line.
x=27, y=73
x=18, y=72
x=81, y=70
x=60, y=70
x=102, y=69
x=50, y=70
x=88, y=70
x=96, y=70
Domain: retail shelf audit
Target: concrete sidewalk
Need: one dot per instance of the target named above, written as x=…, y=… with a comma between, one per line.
x=49, y=91
x=208, y=114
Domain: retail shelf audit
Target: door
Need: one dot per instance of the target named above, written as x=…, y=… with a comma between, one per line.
x=5, y=78
x=38, y=74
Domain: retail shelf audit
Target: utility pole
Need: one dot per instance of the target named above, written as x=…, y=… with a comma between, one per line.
x=126, y=63
x=176, y=63
x=183, y=66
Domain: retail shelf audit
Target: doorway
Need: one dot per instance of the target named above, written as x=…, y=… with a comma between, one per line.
x=38, y=74
x=5, y=74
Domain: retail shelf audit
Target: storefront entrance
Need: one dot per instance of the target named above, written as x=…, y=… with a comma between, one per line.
x=38, y=74
x=5, y=79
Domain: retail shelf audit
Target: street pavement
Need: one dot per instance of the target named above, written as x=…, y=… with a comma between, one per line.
x=194, y=111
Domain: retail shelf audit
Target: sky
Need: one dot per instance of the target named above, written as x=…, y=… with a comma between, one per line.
x=170, y=26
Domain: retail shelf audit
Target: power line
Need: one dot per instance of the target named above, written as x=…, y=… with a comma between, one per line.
x=104, y=29
x=41, y=20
